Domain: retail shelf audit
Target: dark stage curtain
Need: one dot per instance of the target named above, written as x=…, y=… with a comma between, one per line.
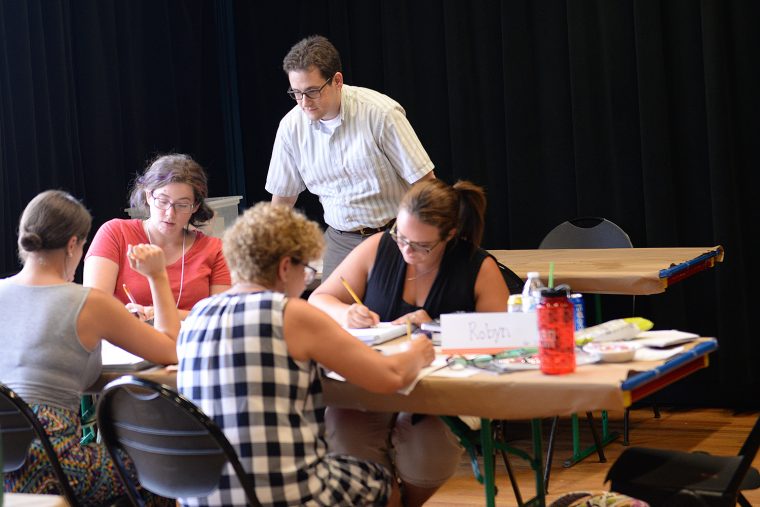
x=90, y=90
x=643, y=112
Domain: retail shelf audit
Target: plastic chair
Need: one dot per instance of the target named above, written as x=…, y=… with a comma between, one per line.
x=677, y=478
x=178, y=450
x=586, y=232
x=19, y=426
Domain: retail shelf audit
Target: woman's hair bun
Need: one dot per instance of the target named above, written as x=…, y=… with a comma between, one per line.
x=30, y=241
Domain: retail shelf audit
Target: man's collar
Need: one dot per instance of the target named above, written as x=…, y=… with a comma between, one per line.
x=344, y=103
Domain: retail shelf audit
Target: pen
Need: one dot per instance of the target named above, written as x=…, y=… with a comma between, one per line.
x=350, y=291
x=129, y=294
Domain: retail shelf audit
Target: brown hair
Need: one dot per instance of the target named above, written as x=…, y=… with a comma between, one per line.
x=173, y=168
x=314, y=51
x=461, y=206
x=50, y=220
x=264, y=234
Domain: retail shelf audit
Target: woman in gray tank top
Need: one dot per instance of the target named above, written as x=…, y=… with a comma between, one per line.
x=51, y=340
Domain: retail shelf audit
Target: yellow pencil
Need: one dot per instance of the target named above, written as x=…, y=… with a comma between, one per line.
x=129, y=294
x=350, y=291
x=408, y=329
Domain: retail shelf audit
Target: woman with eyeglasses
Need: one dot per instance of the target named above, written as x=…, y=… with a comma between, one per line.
x=249, y=359
x=429, y=263
x=173, y=189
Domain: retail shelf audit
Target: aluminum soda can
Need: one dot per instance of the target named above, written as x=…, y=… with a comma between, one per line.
x=514, y=303
x=579, y=315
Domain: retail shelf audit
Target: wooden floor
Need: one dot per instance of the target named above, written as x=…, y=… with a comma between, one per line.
x=719, y=432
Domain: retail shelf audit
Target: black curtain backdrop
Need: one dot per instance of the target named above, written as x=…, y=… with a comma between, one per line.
x=643, y=112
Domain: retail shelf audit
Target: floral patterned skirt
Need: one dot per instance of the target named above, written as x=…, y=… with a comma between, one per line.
x=89, y=468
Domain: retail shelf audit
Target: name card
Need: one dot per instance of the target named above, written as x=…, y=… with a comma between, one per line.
x=487, y=333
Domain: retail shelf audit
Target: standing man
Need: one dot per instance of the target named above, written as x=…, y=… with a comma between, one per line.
x=352, y=147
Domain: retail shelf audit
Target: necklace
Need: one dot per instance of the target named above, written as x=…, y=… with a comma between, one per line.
x=420, y=275
x=182, y=272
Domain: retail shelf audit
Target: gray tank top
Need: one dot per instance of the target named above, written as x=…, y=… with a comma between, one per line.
x=41, y=357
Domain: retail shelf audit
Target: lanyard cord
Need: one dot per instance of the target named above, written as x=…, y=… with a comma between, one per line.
x=182, y=272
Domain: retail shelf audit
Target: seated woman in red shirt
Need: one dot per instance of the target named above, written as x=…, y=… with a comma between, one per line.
x=173, y=188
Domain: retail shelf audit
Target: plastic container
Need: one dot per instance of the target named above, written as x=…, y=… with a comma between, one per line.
x=514, y=303
x=556, y=331
x=531, y=293
x=225, y=214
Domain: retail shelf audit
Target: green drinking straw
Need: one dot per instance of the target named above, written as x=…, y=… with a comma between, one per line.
x=551, y=275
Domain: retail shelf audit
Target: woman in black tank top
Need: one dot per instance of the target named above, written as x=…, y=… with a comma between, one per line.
x=429, y=263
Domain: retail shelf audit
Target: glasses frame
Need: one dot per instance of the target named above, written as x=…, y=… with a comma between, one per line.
x=489, y=362
x=309, y=272
x=417, y=247
x=313, y=93
x=174, y=205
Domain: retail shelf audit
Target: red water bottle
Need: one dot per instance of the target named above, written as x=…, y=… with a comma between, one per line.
x=556, y=329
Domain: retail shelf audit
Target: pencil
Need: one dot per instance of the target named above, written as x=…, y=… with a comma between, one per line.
x=350, y=291
x=129, y=294
x=408, y=329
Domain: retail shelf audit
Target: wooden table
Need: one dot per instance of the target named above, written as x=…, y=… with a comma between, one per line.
x=629, y=271
x=517, y=396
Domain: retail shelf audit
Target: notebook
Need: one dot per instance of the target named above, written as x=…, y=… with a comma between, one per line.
x=117, y=359
x=664, y=338
x=383, y=332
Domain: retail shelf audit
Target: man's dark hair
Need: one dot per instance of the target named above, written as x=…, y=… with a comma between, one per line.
x=313, y=51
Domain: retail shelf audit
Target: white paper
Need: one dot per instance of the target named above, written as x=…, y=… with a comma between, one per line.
x=488, y=332
x=381, y=333
x=647, y=354
x=438, y=363
x=664, y=338
x=118, y=358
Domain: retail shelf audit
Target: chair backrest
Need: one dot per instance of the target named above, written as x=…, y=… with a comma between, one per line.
x=747, y=453
x=177, y=450
x=586, y=232
x=19, y=427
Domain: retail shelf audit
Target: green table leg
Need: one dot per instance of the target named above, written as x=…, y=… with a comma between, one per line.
x=484, y=439
x=489, y=474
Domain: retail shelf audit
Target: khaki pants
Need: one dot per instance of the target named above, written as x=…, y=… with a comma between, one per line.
x=425, y=454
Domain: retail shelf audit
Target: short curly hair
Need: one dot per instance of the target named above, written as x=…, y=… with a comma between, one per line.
x=264, y=234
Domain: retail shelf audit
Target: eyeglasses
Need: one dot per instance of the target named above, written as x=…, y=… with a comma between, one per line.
x=491, y=362
x=309, y=273
x=401, y=241
x=182, y=208
x=312, y=93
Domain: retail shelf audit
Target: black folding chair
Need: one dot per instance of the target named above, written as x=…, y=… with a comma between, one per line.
x=677, y=478
x=19, y=427
x=178, y=450
x=587, y=232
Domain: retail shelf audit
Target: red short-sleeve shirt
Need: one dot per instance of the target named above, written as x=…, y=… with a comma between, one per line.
x=204, y=264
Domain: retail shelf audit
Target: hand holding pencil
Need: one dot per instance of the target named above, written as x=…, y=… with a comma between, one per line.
x=358, y=315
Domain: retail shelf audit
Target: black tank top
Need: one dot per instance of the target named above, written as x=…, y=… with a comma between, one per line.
x=453, y=289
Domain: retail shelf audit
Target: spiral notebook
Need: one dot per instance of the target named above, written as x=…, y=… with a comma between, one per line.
x=383, y=332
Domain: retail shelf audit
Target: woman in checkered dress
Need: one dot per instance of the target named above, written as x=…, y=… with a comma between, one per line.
x=248, y=358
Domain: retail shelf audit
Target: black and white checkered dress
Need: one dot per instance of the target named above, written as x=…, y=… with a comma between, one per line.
x=234, y=364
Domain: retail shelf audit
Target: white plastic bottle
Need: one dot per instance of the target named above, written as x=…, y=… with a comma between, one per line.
x=531, y=294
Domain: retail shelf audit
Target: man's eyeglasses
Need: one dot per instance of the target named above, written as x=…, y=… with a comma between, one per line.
x=312, y=93
x=491, y=362
x=309, y=273
x=400, y=240
x=182, y=208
